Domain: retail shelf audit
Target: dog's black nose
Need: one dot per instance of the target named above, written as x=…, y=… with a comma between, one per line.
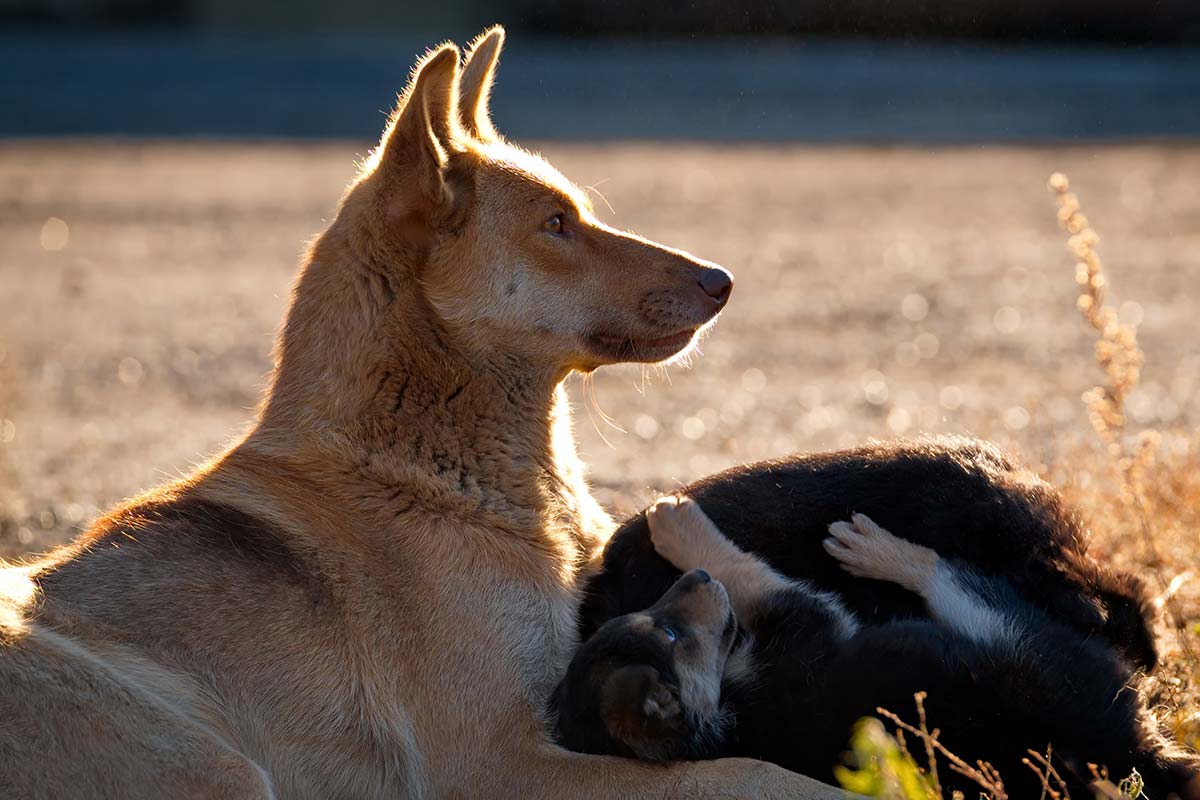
x=716, y=283
x=702, y=576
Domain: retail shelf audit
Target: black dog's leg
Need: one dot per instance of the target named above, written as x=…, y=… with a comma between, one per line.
x=984, y=610
x=1070, y=688
x=684, y=535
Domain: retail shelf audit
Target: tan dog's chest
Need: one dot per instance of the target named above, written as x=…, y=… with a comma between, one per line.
x=480, y=629
x=510, y=605
x=472, y=643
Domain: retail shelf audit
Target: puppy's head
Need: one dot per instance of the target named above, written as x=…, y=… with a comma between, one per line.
x=648, y=684
x=504, y=249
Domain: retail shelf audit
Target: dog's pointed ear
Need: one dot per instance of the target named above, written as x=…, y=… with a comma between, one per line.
x=475, y=88
x=424, y=129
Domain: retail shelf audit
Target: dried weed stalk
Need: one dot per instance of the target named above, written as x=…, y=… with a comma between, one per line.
x=1118, y=354
x=983, y=773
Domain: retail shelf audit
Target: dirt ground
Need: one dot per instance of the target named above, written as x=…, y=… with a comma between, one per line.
x=880, y=292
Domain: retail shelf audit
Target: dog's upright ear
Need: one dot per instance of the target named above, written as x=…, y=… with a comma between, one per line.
x=475, y=88
x=424, y=131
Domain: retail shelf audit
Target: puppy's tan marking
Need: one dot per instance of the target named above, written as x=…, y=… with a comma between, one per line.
x=866, y=550
x=684, y=535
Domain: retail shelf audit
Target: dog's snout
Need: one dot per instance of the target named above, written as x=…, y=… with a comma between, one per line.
x=694, y=579
x=716, y=283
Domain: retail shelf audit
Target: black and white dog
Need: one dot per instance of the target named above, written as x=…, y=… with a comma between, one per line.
x=984, y=597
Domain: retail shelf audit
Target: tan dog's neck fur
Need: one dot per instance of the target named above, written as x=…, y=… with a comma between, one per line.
x=379, y=387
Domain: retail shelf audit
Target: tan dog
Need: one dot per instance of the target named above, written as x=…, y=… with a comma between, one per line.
x=374, y=592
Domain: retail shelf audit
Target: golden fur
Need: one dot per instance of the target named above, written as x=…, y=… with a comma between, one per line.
x=373, y=593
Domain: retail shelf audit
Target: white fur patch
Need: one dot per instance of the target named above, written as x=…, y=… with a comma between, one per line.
x=965, y=613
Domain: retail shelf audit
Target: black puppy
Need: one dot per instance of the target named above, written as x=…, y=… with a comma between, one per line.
x=1001, y=676
x=649, y=684
x=961, y=497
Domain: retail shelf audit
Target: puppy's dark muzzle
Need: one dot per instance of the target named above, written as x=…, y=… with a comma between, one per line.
x=692, y=579
x=696, y=590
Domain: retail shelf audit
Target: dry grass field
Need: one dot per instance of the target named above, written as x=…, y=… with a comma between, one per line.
x=880, y=292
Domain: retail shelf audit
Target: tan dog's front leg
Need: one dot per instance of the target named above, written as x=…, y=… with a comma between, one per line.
x=684, y=535
x=608, y=778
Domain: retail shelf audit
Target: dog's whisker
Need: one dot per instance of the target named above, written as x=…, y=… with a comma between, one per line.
x=592, y=188
x=590, y=405
x=590, y=383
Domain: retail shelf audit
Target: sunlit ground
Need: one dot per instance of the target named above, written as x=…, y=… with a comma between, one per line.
x=879, y=292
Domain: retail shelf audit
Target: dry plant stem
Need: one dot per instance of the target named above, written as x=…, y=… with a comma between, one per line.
x=985, y=774
x=906, y=753
x=1116, y=349
x=1118, y=354
x=1044, y=778
x=930, y=754
x=1168, y=596
x=903, y=743
x=1044, y=769
x=1102, y=787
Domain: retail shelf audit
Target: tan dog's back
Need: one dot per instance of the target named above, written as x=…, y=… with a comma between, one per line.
x=196, y=624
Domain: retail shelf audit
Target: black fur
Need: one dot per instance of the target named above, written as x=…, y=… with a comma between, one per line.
x=1087, y=629
x=962, y=497
x=577, y=703
x=672, y=731
x=991, y=700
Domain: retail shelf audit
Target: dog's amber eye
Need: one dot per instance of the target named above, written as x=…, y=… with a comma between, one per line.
x=554, y=225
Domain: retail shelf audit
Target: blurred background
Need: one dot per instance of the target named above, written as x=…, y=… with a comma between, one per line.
x=763, y=70
x=873, y=171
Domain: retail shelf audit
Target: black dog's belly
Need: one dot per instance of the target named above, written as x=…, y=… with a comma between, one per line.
x=961, y=497
x=990, y=700
x=806, y=726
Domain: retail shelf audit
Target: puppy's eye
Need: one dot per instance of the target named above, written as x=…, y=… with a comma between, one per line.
x=670, y=633
x=554, y=225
